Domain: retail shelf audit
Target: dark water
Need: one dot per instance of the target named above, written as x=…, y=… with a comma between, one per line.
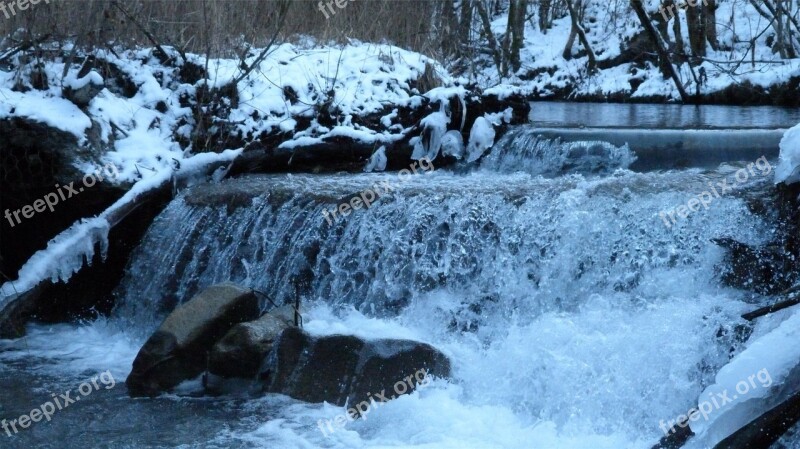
x=614, y=115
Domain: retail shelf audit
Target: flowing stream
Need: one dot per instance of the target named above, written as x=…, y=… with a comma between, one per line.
x=574, y=316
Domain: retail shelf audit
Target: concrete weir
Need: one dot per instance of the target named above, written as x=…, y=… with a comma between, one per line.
x=675, y=148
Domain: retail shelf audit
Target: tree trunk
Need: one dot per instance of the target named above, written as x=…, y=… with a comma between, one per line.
x=765, y=430
x=512, y=14
x=582, y=36
x=465, y=24
x=544, y=15
x=697, y=33
x=662, y=22
x=518, y=36
x=677, y=30
x=487, y=29
x=449, y=29
x=783, y=29
x=790, y=18
x=567, y=54
x=710, y=14
x=662, y=53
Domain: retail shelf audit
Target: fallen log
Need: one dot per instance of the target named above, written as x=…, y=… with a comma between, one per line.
x=34, y=295
x=767, y=428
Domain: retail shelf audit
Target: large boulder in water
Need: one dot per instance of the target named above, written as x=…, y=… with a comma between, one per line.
x=243, y=348
x=343, y=369
x=177, y=351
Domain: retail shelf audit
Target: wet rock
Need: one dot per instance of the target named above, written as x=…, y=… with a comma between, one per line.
x=343, y=369
x=177, y=351
x=243, y=348
x=766, y=270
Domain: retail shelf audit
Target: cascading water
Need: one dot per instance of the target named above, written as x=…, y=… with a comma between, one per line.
x=523, y=149
x=574, y=316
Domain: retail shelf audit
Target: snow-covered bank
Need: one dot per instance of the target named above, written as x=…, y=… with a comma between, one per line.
x=737, y=72
x=151, y=114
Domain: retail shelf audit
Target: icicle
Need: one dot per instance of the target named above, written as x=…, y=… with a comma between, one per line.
x=377, y=162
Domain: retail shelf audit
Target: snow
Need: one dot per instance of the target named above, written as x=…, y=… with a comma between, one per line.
x=609, y=26
x=788, y=169
x=40, y=107
x=75, y=83
x=149, y=136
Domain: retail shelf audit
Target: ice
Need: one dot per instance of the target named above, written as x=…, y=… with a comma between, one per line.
x=481, y=138
x=378, y=161
x=64, y=256
x=756, y=380
x=453, y=144
x=788, y=169
x=434, y=126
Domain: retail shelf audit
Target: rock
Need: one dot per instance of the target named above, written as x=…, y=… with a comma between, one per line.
x=241, y=351
x=343, y=369
x=767, y=270
x=82, y=91
x=177, y=350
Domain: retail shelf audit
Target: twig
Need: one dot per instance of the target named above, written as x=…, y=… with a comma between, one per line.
x=164, y=58
x=777, y=306
x=283, y=10
x=23, y=46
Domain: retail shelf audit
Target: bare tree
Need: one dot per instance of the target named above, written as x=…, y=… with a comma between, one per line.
x=578, y=29
x=638, y=8
x=487, y=29
x=515, y=35
x=710, y=15
x=697, y=29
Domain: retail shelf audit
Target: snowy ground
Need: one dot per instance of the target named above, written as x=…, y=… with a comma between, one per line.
x=544, y=71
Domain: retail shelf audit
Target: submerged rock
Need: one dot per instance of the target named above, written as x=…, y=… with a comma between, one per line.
x=767, y=270
x=177, y=350
x=344, y=370
x=242, y=349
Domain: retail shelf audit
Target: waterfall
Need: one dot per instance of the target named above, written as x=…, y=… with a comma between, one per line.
x=574, y=316
x=524, y=149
